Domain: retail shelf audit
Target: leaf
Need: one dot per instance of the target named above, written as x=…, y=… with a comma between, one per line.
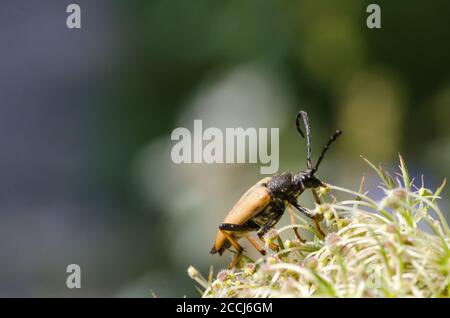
x=380, y=174
x=405, y=173
x=439, y=190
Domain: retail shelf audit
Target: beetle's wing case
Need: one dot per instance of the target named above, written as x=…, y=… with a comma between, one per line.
x=250, y=204
x=255, y=200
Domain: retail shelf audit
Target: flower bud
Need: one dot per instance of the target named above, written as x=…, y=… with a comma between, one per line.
x=271, y=236
x=310, y=263
x=192, y=272
x=394, y=198
x=224, y=275
x=331, y=241
x=249, y=269
x=424, y=192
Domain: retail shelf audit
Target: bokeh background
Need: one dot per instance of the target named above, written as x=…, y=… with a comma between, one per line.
x=86, y=117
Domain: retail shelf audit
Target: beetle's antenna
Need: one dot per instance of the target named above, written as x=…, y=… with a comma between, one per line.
x=325, y=149
x=303, y=115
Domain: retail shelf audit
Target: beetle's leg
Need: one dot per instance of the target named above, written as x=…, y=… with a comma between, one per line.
x=266, y=227
x=233, y=241
x=235, y=244
x=310, y=215
x=273, y=246
x=235, y=260
x=246, y=227
x=316, y=221
x=303, y=210
x=316, y=196
x=255, y=244
x=317, y=224
x=293, y=221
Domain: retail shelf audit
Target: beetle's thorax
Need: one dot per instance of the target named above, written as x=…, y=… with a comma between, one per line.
x=280, y=185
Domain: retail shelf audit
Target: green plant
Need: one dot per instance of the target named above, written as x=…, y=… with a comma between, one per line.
x=398, y=247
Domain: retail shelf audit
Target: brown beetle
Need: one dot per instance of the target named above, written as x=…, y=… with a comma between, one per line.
x=262, y=206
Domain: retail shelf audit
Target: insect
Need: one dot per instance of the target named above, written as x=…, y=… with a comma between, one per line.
x=262, y=206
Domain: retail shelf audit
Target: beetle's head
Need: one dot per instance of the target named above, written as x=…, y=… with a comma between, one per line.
x=312, y=182
x=308, y=180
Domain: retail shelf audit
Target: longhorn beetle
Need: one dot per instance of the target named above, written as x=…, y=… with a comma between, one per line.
x=262, y=206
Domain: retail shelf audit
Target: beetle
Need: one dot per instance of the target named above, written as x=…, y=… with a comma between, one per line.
x=262, y=206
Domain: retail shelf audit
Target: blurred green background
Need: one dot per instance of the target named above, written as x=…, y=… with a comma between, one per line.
x=86, y=118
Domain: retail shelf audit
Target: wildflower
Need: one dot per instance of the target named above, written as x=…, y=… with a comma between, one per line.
x=393, y=198
x=407, y=240
x=271, y=235
x=388, y=245
x=270, y=238
x=288, y=285
x=264, y=269
x=343, y=223
x=216, y=285
x=249, y=269
x=224, y=275
x=323, y=190
x=271, y=260
x=328, y=211
x=331, y=241
x=346, y=251
x=322, y=209
x=291, y=243
x=310, y=263
x=400, y=193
